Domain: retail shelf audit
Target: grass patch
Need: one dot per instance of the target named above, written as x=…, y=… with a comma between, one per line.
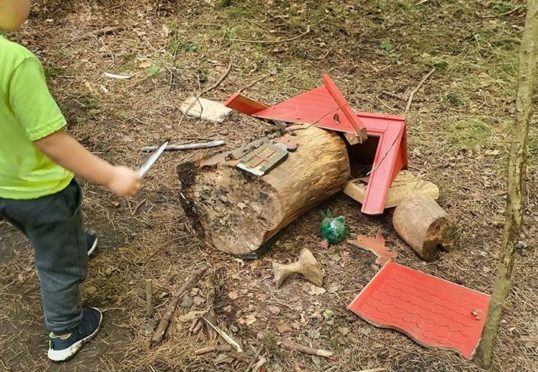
x=468, y=133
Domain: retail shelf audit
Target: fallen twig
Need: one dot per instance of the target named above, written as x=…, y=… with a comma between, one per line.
x=186, y=146
x=258, y=352
x=197, y=326
x=101, y=32
x=254, y=83
x=193, y=316
x=274, y=41
x=288, y=344
x=207, y=90
x=217, y=83
x=374, y=370
x=259, y=365
x=117, y=77
x=412, y=94
x=392, y=95
x=138, y=206
x=210, y=349
x=149, y=297
x=165, y=321
x=224, y=335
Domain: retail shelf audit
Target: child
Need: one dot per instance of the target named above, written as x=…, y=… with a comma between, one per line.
x=38, y=193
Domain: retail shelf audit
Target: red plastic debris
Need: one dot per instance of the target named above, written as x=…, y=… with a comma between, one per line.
x=390, y=158
x=376, y=246
x=244, y=105
x=432, y=311
x=319, y=107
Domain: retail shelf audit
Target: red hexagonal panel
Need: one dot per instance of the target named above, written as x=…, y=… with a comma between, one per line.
x=432, y=311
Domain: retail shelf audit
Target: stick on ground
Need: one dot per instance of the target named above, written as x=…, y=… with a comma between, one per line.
x=100, y=32
x=149, y=297
x=225, y=336
x=207, y=90
x=210, y=349
x=256, y=356
x=414, y=91
x=186, y=146
x=288, y=344
x=165, y=321
x=274, y=41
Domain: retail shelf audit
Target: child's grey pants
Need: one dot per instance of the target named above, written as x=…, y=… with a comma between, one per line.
x=54, y=226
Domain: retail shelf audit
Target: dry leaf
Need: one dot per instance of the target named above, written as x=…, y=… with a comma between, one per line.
x=274, y=310
x=335, y=288
x=198, y=300
x=283, y=328
x=145, y=64
x=249, y=319
x=233, y=295
x=315, y=291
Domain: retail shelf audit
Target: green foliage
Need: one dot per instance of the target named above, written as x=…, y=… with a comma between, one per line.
x=179, y=46
x=467, y=134
x=501, y=7
x=387, y=45
x=270, y=341
x=153, y=71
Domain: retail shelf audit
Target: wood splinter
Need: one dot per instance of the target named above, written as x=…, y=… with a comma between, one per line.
x=307, y=265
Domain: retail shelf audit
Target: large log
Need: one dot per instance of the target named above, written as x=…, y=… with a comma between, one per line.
x=237, y=212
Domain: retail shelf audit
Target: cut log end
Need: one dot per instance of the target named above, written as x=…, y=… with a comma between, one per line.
x=422, y=224
x=236, y=209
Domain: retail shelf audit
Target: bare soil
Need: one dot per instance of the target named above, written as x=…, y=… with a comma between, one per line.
x=458, y=129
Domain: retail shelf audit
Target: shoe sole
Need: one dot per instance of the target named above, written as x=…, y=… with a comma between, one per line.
x=66, y=354
x=94, y=245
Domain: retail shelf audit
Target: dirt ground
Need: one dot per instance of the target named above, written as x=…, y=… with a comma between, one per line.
x=458, y=129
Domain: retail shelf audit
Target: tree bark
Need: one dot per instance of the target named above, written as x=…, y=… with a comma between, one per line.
x=237, y=212
x=517, y=166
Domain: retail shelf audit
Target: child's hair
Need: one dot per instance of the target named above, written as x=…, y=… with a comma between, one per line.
x=13, y=13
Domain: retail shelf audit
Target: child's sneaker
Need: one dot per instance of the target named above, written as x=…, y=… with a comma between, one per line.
x=91, y=241
x=64, y=347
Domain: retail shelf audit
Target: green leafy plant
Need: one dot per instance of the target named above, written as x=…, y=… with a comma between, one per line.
x=153, y=71
x=387, y=45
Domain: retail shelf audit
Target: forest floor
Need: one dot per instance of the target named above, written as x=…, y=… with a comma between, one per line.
x=458, y=131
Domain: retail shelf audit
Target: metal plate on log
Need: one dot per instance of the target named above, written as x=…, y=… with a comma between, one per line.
x=262, y=160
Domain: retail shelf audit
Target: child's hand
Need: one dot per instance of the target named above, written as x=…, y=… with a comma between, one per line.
x=124, y=181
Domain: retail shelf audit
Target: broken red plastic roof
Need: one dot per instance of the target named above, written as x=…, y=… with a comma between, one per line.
x=432, y=311
x=319, y=107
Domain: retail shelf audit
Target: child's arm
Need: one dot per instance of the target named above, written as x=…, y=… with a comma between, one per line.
x=67, y=152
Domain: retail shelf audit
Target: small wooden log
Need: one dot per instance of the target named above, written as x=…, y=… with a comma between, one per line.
x=237, y=213
x=306, y=266
x=421, y=223
x=405, y=185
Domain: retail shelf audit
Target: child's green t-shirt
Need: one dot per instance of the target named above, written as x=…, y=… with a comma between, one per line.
x=27, y=113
